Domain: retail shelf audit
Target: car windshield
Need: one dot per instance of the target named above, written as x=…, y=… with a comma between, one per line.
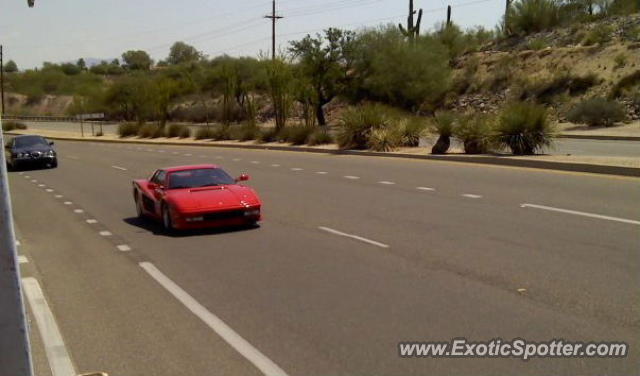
x=23, y=142
x=205, y=177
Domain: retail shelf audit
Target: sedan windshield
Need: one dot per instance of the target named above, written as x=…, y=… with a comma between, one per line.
x=206, y=177
x=23, y=142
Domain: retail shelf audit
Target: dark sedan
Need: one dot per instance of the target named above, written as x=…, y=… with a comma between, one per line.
x=30, y=151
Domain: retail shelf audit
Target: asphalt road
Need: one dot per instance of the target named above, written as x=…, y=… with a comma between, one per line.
x=434, y=251
x=561, y=146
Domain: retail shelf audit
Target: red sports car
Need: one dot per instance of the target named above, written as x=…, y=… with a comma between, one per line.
x=194, y=197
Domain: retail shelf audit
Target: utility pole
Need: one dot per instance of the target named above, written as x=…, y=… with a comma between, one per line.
x=2, y=78
x=448, y=15
x=273, y=18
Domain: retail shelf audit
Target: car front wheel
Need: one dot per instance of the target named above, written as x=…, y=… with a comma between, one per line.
x=166, y=219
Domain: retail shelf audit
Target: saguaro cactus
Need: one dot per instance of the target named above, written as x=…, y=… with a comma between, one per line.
x=412, y=31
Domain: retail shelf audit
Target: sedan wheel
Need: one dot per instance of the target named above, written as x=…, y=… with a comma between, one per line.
x=139, y=210
x=166, y=219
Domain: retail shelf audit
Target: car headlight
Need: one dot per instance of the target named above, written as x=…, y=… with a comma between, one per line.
x=252, y=213
x=51, y=153
x=21, y=155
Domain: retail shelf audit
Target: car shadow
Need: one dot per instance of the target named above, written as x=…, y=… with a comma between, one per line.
x=28, y=168
x=157, y=229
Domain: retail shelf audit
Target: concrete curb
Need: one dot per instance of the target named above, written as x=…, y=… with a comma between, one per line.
x=484, y=159
x=599, y=138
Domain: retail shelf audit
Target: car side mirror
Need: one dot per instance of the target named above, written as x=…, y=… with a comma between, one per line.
x=50, y=143
x=243, y=177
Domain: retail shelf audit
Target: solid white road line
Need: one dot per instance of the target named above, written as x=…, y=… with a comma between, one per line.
x=574, y=212
x=119, y=168
x=22, y=259
x=386, y=182
x=425, y=189
x=123, y=248
x=57, y=354
x=360, y=238
x=259, y=360
x=467, y=195
x=352, y=177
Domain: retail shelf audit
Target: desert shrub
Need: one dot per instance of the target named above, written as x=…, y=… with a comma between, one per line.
x=319, y=137
x=625, y=84
x=543, y=90
x=532, y=16
x=247, y=132
x=268, y=135
x=537, y=44
x=385, y=139
x=411, y=129
x=474, y=131
x=600, y=34
x=151, y=131
x=442, y=125
x=620, y=61
x=204, y=133
x=10, y=125
x=99, y=134
x=176, y=130
x=298, y=134
x=185, y=132
x=128, y=129
x=222, y=133
x=597, y=112
x=524, y=128
x=356, y=124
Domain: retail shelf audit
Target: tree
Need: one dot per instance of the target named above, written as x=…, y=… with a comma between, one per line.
x=181, y=53
x=11, y=66
x=325, y=61
x=70, y=69
x=81, y=64
x=137, y=60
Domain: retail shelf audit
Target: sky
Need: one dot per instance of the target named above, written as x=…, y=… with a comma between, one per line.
x=65, y=30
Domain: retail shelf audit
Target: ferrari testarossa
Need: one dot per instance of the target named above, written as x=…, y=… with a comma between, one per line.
x=196, y=197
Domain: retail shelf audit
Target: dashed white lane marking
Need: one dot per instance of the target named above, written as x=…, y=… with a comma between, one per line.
x=119, y=168
x=275, y=165
x=58, y=196
x=468, y=195
x=68, y=203
x=49, y=190
x=41, y=185
x=123, y=248
x=187, y=155
x=236, y=159
x=253, y=355
x=34, y=181
x=78, y=211
x=425, y=189
x=297, y=169
x=57, y=354
x=23, y=259
x=321, y=172
x=255, y=162
x=20, y=173
x=148, y=150
x=161, y=151
x=219, y=157
x=92, y=221
x=356, y=237
x=175, y=152
x=384, y=182
x=350, y=177
x=105, y=233
x=202, y=156
x=584, y=214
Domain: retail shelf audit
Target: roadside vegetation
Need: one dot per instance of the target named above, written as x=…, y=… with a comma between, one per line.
x=381, y=88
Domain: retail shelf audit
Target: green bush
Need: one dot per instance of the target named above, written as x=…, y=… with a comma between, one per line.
x=298, y=134
x=474, y=131
x=597, y=112
x=10, y=125
x=620, y=60
x=411, y=129
x=128, y=129
x=385, y=139
x=151, y=131
x=204, y=133
x=532, y=16
x=356, y=124
x=222, y=133
x=524, y=128
x=268, y=135
x=319, y=137
x=537, y=44
x=178, y=130
x=248, y=132
x=600, y=34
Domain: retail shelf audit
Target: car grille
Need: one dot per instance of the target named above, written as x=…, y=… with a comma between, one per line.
x=217, y=216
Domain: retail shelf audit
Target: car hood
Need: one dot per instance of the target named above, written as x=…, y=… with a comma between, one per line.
x=213, y=198
x=31, y=149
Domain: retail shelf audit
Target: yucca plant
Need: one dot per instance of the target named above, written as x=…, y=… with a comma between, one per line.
x=524, y=128
x=474, y=130
x=442, y=124
x=357, y=123
x=299, y=134
x=385, y=139
x=320, y=136
x=412, y=128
